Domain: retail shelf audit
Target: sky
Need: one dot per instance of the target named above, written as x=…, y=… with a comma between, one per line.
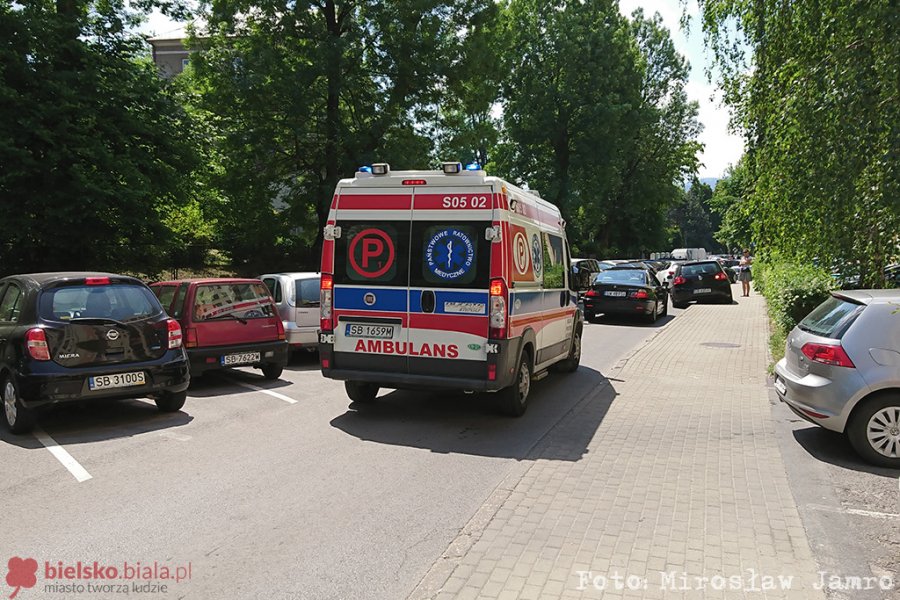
x=720, y=148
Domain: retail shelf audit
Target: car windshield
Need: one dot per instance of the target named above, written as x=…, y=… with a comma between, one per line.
x=232, y=300
x=120, y=302
x=307, y=292
x=628, y=276
x=831, y=318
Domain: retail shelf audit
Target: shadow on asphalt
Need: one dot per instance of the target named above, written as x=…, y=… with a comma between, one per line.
x=303, y=360
x=225, y=381
x=99, y=420
x=833, y=448
x=445, y=422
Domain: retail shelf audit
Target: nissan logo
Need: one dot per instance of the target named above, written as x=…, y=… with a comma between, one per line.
x=112, y=335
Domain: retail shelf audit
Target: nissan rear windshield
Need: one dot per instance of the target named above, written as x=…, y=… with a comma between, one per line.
x=832, y=318
x=232, y=301
x=123, y=302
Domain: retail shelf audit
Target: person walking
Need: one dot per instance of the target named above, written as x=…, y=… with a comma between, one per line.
x=744, y=272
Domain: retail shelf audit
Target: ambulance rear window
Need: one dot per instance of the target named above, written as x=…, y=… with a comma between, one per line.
x=450, y=254
x=372, y=253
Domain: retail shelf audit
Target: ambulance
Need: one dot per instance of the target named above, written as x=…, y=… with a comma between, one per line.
x=446, y=279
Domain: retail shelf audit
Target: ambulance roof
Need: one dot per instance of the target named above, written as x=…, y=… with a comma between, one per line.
x=441, y=179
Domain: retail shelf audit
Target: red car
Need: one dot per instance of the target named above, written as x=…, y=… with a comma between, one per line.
x=226, y=323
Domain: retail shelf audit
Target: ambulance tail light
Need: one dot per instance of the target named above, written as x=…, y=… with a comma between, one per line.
x=325, y=302
x=497, y=309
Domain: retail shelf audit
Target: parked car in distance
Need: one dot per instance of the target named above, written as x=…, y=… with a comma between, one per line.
x=296, y=298
x=584, y=270
x=700, y=280
x=665, y=276
x=626, y=291
x=68, y=337
x=841, y=370
x=227, y=322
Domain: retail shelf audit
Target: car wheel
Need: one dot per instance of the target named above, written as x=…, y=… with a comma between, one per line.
x=18, y=418
x=665, y=311
x=874, y=430
x=364, y=393
x=171, y=401
x=514, y=399
x=679, y=304
x=570, y=364
x=651, y=318
x=272, y=371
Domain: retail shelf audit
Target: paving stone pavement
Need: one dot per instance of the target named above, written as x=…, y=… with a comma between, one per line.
x=682, y=492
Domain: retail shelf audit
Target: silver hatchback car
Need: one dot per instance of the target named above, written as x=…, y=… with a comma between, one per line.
x=297, y=297
x=841, y=370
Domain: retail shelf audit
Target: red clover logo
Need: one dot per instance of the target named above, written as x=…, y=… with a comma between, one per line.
x=22, y=574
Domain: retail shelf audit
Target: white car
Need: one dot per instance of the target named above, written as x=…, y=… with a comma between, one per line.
x=665, y=275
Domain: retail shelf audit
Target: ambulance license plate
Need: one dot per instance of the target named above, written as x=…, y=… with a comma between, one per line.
x=361, y=330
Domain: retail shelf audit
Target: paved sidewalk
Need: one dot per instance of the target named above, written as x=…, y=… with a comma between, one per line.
x=682, y=491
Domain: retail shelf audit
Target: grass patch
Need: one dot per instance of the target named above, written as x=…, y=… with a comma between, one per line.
x=777, y=340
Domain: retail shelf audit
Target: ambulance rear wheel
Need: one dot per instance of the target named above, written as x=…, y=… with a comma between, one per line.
x=364, y=393
x=570, y=364
x=514, y=399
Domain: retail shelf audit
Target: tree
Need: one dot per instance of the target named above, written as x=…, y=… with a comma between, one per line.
x=595, y=118
x=95, y=155
x=694, y=220
x=820, y=110
x=729, y=202
x=303, y=93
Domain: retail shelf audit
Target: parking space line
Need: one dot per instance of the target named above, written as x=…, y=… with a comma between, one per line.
x=256, y=388
x=854, y=511
x=60, y=453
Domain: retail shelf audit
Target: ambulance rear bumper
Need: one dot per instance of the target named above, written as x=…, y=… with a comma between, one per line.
x=425, y=373
x=407, y=381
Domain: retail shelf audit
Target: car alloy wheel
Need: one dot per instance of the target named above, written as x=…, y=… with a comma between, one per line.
x=524, y=381
x=9, y=403
x=883, y=431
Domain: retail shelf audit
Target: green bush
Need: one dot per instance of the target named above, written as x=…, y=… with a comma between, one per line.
x=792, y=291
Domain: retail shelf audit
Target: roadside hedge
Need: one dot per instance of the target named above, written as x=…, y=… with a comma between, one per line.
x=792, y=291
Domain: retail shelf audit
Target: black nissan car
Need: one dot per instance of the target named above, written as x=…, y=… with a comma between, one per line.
x=700, y=280
x=81, y=336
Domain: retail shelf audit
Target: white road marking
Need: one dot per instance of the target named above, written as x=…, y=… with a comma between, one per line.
x=67, y=460
x=855, y=511
x=256, y=388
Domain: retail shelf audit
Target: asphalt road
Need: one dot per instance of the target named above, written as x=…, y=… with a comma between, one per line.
x=289, y=492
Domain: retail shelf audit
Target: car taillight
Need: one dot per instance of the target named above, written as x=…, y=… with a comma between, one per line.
x=174, y=330
x=96, y=281
x=36, y=344
x=497, y=310
x=720, y=276
x=827, y=354
x=592, y=293
x=679, y=280
x=190, y=338
x=640, y=295
x=326, y=291
x=279, y=329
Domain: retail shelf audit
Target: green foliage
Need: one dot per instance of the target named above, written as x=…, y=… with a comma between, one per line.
x=792, y=291
x=730, y=202
x=95, y=155
x=820, y=109
x=595, y=118
x=695, y=223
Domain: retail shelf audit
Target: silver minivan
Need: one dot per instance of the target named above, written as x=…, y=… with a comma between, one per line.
x=297, y=298
x=841, y=370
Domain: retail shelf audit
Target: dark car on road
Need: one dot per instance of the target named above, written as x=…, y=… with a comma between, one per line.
x=626, y=291
x=82, y=336
x=227, y=322
x=704, y=280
